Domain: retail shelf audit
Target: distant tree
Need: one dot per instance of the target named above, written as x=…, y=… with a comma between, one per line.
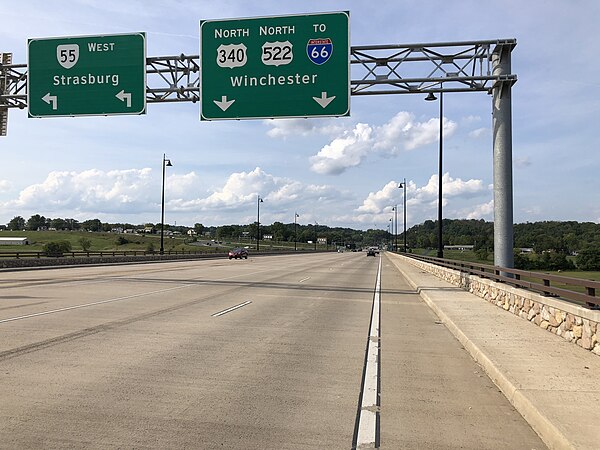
x=59, y=224
x=56, y=248
x=482, y=254
x=589, y=258
x=85, y=244
x=122, y=240
x=16, y=224
x=199, y=228
x=36, y=222
x=92, y=225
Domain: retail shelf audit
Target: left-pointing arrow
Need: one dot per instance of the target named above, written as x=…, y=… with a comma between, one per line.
x=124, y=97
x=50, y=99
x=224, y=103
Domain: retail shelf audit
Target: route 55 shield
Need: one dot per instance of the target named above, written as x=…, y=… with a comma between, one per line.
x=67, y=55
x=319, y=50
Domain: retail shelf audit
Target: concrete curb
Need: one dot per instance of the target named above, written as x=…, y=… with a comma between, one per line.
x=545, y=429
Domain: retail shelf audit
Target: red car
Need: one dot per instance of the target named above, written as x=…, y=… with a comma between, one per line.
x=238, y=253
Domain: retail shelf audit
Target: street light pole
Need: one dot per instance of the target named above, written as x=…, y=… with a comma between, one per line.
x=396, y=229
x=403, y=185
x=430, y=97
x=165, y=163
x=258, y=202
x=316, y=224
x=295, y=231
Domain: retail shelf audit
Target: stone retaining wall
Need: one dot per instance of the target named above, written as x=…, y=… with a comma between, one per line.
x=574, y=323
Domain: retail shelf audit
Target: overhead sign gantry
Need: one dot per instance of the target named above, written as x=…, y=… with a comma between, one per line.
x=281, y=66
x=442, y=67
x=87, y=75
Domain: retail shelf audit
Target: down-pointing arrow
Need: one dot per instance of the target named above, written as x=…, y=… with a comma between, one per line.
x=323, y=100
x=51, y=99
x=224, y=103
x=124, y=97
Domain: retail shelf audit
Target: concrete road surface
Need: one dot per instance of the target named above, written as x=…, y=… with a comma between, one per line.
x=264, y=353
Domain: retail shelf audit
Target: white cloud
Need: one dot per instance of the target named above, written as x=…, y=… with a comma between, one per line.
x=284, y=128
x=401, y=132
x=470, y=119
x=420, y=201
x=479, y=132
x=5, y=185
x=522, y=162
x=381, y=201
x=120, y=194
x=91, y=190
x=343, y=152
x=482, y=211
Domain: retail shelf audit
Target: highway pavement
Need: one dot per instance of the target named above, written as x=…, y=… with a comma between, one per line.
x=273, y=352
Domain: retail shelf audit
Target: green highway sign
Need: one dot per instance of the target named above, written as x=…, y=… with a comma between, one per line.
x=87, y=75
x=282, y=66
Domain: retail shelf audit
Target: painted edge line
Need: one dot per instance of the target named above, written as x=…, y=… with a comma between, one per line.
x=233, y=308
x=304, y=279
x=369, y=407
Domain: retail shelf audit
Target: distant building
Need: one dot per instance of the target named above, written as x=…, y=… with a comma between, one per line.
x=462, y=248
x=14, y=241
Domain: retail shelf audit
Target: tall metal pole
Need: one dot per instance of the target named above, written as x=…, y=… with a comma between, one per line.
x=258, y=202
x=404, y=184
x=165, y=162
x=503, y=180
x=295, y=232
x=396, y=229
x=440, y=252
x=316, y=224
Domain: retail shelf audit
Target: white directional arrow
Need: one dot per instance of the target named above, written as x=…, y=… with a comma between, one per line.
x=50, y=99
x=323, y=100
x=224, y=104
x=124, y=96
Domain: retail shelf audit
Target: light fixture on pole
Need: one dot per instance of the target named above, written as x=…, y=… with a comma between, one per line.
x=295, y=231
x=165, y=163
x=258, y=202
x=403, y=185
x=431, y=97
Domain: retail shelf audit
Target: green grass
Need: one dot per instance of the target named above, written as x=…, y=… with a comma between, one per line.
x=108, y=242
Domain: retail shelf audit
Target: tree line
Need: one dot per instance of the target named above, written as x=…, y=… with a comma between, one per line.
x=551, y=241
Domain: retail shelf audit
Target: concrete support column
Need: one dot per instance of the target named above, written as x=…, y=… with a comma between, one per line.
x=503, y=180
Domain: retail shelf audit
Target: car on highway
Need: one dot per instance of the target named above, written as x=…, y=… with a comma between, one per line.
x=238, y=253
x=372, y=252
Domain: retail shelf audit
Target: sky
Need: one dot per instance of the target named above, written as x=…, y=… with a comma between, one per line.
x=341, y=171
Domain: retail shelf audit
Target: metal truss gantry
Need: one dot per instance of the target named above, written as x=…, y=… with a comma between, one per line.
x=471, y=66
x=376, y=70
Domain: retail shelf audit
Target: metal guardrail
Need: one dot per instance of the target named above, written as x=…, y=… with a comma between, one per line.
x=547, y=284
x=100, y=254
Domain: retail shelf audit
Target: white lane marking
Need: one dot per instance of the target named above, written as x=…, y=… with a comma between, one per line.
x=225, y=311
x=304, y=279
x=367, y=427
x=53, y=311
x=85, y=305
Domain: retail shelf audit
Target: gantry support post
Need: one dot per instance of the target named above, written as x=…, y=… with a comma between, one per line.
x=503, y=179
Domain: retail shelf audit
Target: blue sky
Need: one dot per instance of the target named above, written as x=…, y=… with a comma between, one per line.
x=335, y=171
